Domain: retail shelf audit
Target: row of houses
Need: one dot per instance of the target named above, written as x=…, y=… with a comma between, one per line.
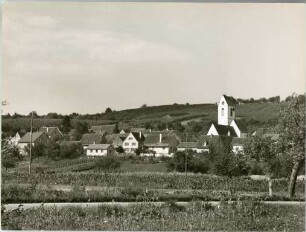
x=102, y=140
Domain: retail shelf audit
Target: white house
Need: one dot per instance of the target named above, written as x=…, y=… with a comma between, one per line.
x=237, y=144
x=37, y=137
x=100, y=150
x=14, y=140
x=132, y=141
x=161, y=144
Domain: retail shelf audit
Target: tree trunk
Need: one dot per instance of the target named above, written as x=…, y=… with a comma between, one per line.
x=293, y=177
x=270, y=187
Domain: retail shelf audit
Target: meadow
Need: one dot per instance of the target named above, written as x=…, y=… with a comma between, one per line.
x=247, y=215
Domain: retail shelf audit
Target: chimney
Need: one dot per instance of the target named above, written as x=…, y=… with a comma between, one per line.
x=228, y=133
x=150, y=130
x=47, y=129
x=139, y=134
x=160, y=138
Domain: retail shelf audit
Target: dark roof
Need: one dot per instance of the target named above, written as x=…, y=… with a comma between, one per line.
x=241, y=125
x=27, y=137
x=48, y=130
x=187, y=145
x=103, y=128
x=64, y=143
x=230, y=100
x=223, y=130
x=98, y=146
x=137, y=136
x=238, y=141
x=92, y=138
x=167, y=140
x=112, y=137
x=208, y=139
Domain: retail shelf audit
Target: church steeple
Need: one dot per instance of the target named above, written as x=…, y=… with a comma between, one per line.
x=226, y=110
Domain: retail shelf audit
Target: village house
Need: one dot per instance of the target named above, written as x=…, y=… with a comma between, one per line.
x=187, y=146
x=161, y=144
x=88, y=139
x=15, y=139
x=37, y=138
x=100, y=150
x=238, y=144
x=53, y=132
x=133, y=141
x=116, y=139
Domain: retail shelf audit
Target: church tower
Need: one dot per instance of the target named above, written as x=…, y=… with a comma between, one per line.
x=226, y=110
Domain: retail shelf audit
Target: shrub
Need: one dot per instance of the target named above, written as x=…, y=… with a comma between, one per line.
x=108, y=163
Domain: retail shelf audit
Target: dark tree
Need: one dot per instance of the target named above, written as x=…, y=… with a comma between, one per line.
x=108, y=110
x=66, y=124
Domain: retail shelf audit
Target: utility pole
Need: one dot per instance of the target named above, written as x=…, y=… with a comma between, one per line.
x=186, y=158
x=31, y=142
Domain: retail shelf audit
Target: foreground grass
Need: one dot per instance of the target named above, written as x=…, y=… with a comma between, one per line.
x=240, y=216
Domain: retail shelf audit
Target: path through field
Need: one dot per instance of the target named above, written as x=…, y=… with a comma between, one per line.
x=24, y=206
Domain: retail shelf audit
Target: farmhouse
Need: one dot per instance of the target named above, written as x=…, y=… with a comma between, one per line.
x=100, y=150
x=228, y=125
x=116, y=139
x=237, y=144
x=88, y=139
x=161, y=144
x=14, y=140
x=53, y=132
x=187, y=145
x=132, y=141
x=37, y=137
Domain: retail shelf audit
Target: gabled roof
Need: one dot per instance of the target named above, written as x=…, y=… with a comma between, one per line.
x=49, y=130
x=187, y=145
x=111, y=138
x=230, y=100
x=67, y=143
x=241, y=125
x=152, y=140
x=27, y=137
x=238, y=141
x=98, y=146
x=92, y=138
x=103, y=128
x=137, y=136
x=223, y=130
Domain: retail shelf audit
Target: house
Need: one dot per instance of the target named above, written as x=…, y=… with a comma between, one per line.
x=133, y=141
x=53, y=132
x=116, y=139
x=143, y=130
x=187, y=145
x=161, y=144
x=107, y=129
x=88, y=139
x=100, y=150
x=238, y=144
x=228, y=124
x=37, y=138
x=14, y=140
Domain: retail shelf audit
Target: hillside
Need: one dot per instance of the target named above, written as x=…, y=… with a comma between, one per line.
x=255, y=114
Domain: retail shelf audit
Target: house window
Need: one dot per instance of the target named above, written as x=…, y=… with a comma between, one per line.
x=222, y=112
x=232, y=110
x=130, y=138
x=126, y=144
x=133, y=144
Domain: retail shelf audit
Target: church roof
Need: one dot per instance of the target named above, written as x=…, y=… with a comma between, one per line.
x=241, y=125
x=230, y=100
x=223, y=130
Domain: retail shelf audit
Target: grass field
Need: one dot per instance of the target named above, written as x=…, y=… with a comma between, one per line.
x=239, y=216
x=143, y=167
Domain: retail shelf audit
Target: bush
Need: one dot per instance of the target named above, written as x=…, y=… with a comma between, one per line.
x=108, y=163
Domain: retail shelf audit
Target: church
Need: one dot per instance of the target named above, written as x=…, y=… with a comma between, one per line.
x=228, y=123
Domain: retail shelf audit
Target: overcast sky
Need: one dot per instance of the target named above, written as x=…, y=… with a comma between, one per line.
x=83, y=57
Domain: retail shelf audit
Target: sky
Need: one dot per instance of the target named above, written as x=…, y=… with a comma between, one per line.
x=82, y=57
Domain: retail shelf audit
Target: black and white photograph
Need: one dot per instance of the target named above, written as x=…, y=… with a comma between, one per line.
x=153, y=115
